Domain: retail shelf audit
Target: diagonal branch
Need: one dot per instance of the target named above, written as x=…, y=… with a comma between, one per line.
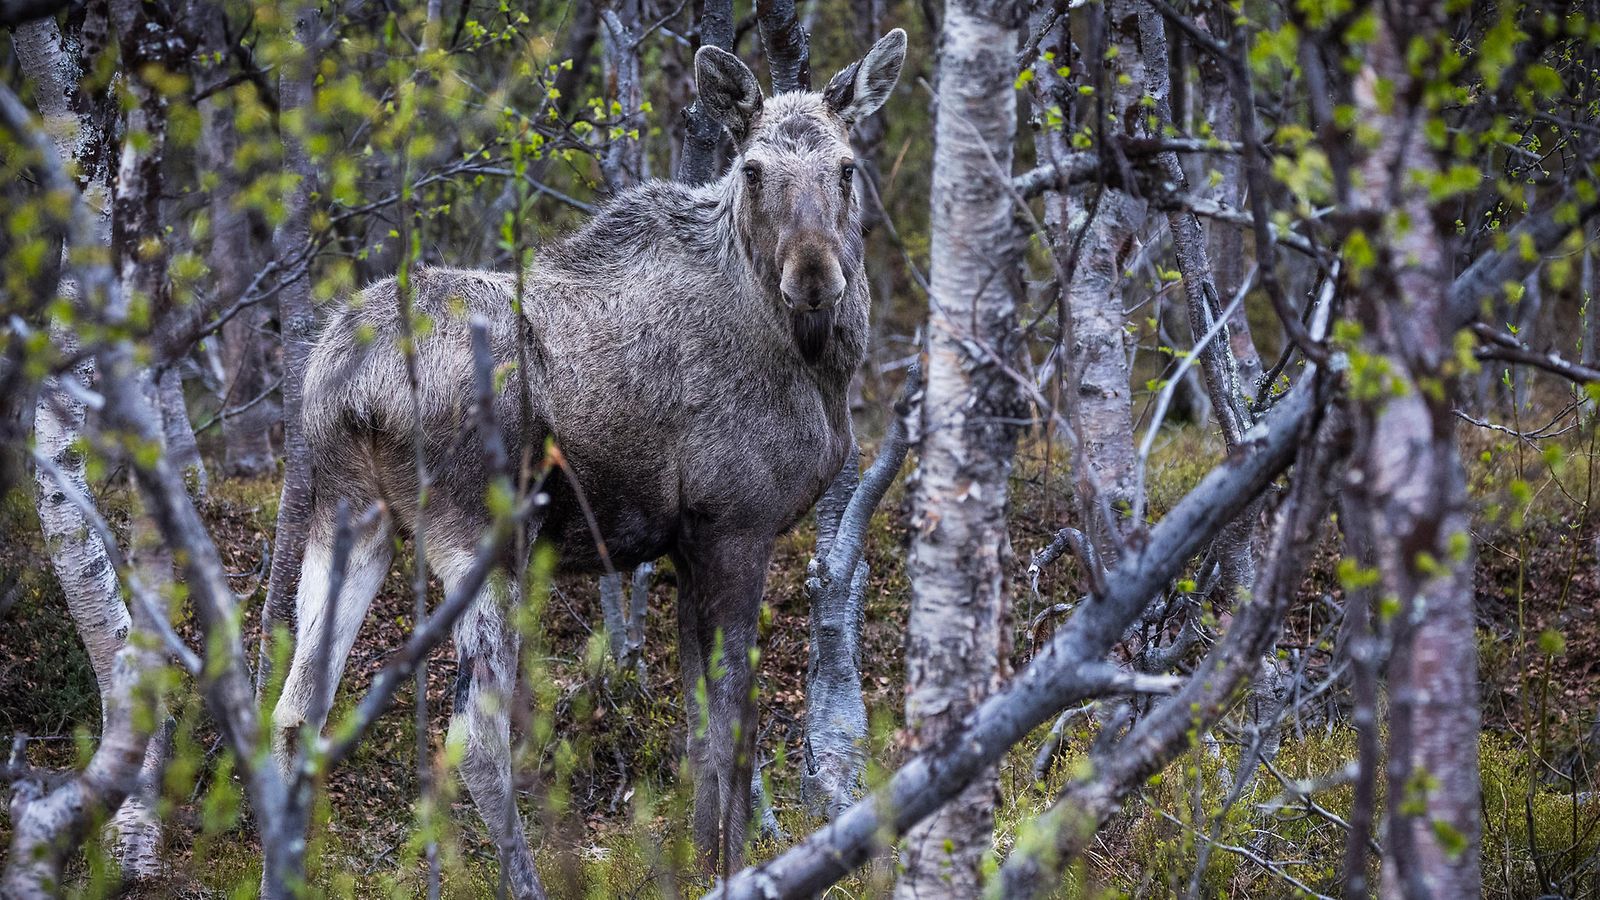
x=1070, y=669
x=1083, y=805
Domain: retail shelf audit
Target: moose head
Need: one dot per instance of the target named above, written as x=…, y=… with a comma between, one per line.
x=792, y=183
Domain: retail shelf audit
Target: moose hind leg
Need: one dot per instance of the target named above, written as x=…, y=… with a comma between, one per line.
x=313, y=677
x=480, y=722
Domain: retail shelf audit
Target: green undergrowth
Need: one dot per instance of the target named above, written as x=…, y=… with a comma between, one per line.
x=599, y=763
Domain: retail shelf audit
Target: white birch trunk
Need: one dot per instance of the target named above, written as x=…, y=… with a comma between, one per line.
x=178, y=431
x=1096, y=390
x=77, y=554
x=959, y=551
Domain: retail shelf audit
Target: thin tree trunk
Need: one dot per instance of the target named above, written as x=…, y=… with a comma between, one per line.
x=1225, y=241
x=178, y=431
x=1226, y=383
x=836, y=714
x=76, y=551
x=624, y=162
x=297, y=324
x=960, y=554
x=1096, y=381
x=1591, y=310
x=78, y=554
x=836, y=586
x=234, y=256
x=786, y=45
x=1188, y=244
x=140, y=251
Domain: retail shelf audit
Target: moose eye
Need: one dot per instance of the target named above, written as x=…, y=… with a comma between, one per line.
x=752, y=174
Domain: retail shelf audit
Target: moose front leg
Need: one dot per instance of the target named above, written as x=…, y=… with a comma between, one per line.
x=725, y=581
x=694, y=643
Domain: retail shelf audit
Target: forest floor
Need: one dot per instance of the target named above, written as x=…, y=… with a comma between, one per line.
x=599, y=753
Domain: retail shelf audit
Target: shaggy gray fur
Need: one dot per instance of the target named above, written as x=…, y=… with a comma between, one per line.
x=689, y=351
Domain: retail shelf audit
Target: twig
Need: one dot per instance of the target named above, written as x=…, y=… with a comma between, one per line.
x=1082, y=548
x=1164, y=399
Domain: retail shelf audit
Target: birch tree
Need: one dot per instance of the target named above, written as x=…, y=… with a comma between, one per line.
x=297, y=324
x=234, y=255
x=1410, y=496
x=959, y=554
x=79, y=553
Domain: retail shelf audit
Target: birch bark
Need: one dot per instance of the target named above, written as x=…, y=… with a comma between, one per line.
x=1094, y=335
x=53, y=60
x=1410, y=494
x=297, y=324
x=959, y=550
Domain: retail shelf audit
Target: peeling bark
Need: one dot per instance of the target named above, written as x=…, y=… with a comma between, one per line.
x=78, y=554
x=959, y=550
x=1108, y=222
x=1409, y=492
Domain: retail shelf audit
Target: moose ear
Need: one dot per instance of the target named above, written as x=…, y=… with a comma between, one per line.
x=863, y=86
x=728, y=90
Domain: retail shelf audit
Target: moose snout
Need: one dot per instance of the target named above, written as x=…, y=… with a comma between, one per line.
x=814, y=283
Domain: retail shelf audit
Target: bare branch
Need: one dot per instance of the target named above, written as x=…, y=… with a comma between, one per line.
x=1119, y=767
x=1504, y=347
x=1082, y=548
x=1542, y=232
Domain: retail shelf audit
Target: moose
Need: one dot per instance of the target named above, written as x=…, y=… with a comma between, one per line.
x=688, y=349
